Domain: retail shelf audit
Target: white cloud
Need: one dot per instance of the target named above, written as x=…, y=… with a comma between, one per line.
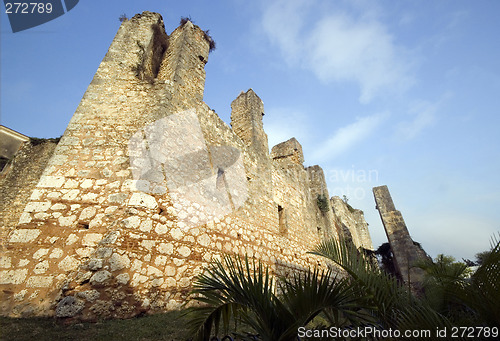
x=338, y=47
x=423, y=115
x=346, y=137
x=282, y=22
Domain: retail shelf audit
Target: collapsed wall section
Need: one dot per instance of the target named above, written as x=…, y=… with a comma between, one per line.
x=352, y=223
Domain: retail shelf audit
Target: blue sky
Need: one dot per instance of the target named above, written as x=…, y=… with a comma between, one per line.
x=397, y=93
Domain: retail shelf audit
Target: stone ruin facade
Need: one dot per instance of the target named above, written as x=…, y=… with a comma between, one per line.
x=148, y=185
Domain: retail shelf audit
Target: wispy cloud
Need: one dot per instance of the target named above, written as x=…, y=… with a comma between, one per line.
x=346, y=137
x=338, y=47
x=422, y=114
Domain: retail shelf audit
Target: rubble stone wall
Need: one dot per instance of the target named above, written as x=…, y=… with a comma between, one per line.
x=148, y=185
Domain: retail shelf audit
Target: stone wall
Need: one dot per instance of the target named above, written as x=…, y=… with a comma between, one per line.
x=352, y=222
x=18, y=181
x=148, y=185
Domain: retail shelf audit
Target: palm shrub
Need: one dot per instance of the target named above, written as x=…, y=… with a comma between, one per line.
x=480, y=294
x=239, y=291
x=389, y=303
x=443, y=278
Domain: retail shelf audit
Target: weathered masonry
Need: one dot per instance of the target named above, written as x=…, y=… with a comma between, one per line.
x=405, y=251
x=148, y=185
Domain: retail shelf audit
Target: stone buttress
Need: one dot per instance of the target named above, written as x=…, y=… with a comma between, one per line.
x=404, y=249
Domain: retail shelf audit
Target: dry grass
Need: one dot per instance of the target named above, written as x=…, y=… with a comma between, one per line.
x=168, y=326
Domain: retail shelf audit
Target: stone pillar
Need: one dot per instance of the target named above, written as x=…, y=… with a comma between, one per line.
x=405, y=252
x=184, y=62
x=288, y=152
x=246, y=119
x=320, y=199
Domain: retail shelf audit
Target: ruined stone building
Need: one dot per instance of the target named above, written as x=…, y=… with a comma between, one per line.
x=148, y=185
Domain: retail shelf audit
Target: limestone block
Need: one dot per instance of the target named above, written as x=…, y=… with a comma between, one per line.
x=176, y=233
x=91, y=239
x=37, y=206
x=5, y=262
x=138, y=279
x=110, y=209
x=95, y=223
x=13, y=276
x=69, y=306
x=70, y=183
x=100, y=278
x=41, y=216
x=25, y=218
x=49, y=181
x=152, y=271
x=67, y=221
x=36, y=194
x=54, y=195
x=24, y=235
x=41, y=267
x=157, y=282
x=160, y=260
x=203, y=240
x=184, y=282
x=40, y=253
x=84, y=251
x=166, y=248
x=88, y=295
x=72, y=238
x=68, y=264
x=58, y=207
x=161, y=229
x=131, y=222
x=123, y=278
x=169, y=271
x=118, y=198
x=148, y=244
x=123, y=173
x=71, y=194
x=118, y=262
x=101, y=182
x=143, y=200
x=39, y=281
x=87, y=183
x=184, y=251
x=91, y=198
x=87, y=213
x=95, y=264
x=146, y=225
x=56, y=253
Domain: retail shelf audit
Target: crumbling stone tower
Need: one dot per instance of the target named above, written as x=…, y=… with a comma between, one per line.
x=147, y=185
x=405, y=251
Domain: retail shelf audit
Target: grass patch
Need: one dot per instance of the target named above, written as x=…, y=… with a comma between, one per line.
x=167, y=326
